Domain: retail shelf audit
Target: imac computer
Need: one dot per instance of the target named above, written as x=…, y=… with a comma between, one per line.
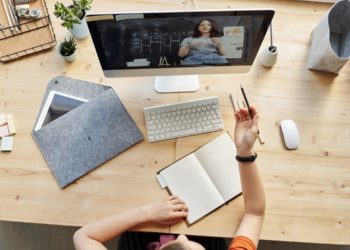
x=176, y=46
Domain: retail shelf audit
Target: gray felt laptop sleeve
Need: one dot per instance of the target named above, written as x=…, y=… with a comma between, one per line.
x=87, y=136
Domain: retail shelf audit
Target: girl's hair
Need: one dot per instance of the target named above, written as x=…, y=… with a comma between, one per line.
x=214, y=31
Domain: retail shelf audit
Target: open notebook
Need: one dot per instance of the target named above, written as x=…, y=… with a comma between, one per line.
x=206, y=178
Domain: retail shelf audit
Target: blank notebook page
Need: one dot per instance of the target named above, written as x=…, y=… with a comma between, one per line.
x=218, y=159
x=187, y=180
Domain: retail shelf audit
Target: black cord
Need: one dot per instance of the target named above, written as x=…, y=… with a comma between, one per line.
x=272, y=48
x=271, y=37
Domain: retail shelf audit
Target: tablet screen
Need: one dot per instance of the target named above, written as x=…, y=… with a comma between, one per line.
x=56, y=105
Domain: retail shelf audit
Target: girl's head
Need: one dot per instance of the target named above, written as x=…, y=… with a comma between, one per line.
x=206, y=26
x=182, y=243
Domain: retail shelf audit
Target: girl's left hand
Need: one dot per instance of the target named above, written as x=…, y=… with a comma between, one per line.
x=216, y=41
x=169, y=210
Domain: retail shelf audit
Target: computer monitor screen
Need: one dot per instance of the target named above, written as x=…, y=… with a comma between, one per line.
x=178, y=43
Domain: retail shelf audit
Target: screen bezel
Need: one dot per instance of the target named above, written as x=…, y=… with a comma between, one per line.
x=163, y=71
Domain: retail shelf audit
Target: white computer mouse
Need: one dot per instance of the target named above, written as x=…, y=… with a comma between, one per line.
x=290, y=134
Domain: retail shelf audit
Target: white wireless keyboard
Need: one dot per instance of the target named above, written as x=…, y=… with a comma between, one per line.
x=183, y=119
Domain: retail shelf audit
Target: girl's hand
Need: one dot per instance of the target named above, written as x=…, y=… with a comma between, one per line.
x=169, y=210
x=194, y=44
x=216, y=41
x=246, y=131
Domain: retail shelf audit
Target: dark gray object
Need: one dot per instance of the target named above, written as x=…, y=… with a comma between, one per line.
x=18, y=2
x=87, y=136
x=330, y=48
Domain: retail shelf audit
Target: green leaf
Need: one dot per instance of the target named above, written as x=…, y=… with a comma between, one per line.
x=72, y=14
x=68, y=47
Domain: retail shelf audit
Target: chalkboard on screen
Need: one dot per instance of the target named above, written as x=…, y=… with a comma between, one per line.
x=157, y=40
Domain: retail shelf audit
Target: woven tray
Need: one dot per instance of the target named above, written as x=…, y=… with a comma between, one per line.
x=32, y=37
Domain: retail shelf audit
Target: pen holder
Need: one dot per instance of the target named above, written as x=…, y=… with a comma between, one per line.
x=330, y=47
x=33, y=35
x=268, y=56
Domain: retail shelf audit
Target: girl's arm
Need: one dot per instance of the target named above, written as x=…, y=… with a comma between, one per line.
x=246, y=132
x=217, y=42
x=167, y=211
x=184, y=50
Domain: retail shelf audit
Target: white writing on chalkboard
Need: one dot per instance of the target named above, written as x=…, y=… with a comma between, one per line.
x=161, y=43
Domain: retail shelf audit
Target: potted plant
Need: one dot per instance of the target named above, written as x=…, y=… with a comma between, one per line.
x=68, y=49
x=73, y=17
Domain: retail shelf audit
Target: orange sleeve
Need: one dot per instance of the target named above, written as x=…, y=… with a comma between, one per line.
x=242, y=243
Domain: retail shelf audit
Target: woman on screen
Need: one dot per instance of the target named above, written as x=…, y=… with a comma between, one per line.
x=204, y=47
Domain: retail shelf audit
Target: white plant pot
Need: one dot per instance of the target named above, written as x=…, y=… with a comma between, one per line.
x=267, y=57
x=70, y=58
x=81, y=30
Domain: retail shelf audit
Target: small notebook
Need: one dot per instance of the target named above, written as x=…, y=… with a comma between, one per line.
x=206, y=178
x=80, y=140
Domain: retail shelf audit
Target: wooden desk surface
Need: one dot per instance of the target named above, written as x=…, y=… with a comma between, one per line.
x=307, y=190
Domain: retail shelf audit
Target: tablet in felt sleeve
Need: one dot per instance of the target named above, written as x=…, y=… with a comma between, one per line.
x=87, y=136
